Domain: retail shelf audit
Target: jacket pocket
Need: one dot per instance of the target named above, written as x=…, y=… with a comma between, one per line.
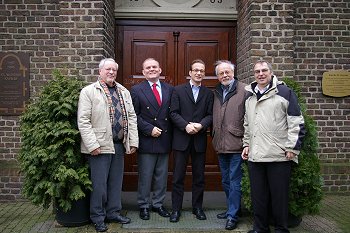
x=100, y=134
x=279, y=139
x=235, y=131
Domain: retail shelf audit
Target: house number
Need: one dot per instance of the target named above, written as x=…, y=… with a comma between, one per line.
x=218, y=1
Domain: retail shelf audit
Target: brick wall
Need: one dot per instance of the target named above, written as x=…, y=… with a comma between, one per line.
x=266, y=31
x=322, y=43
x=72, y=36
x=33, y=29
x=86, y=36
x=244, y=40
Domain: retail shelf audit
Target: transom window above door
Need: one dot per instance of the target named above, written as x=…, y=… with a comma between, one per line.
x=176, y=9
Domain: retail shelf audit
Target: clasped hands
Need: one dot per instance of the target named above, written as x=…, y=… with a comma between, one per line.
x=193, y=128
x=156, y=132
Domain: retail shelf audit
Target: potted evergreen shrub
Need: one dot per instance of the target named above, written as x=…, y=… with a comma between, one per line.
x=305, y=193
x=55, y=172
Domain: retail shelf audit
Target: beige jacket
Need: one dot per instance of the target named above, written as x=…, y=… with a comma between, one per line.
x=273, y=124
x=94, y=123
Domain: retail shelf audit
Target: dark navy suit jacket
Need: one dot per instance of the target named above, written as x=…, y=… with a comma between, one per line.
x=150, y=114
x=184, y=109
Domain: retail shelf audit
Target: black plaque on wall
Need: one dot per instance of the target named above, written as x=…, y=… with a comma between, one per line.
x=14, y=82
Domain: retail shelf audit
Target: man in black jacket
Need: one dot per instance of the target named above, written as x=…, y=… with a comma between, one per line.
x=191, y=113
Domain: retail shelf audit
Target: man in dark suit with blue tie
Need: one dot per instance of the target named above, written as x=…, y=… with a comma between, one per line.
x=191, y=113
x=151, y=100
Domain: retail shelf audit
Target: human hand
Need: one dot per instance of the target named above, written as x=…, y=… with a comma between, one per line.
x=245, y=153
x=190, y=129
x=132, y=149
x=95, y=152
x=290, y=155
x=156, y=132
x=197, y=126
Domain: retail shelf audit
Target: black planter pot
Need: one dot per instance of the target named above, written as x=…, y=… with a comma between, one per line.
x=293, y=221
x=79, y=215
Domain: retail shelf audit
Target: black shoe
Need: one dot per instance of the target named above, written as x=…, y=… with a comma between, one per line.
x=161, y=211
x=175, y=216
x=199, y=213
x=144, y=213
x=101, y=227
x=120, y=219
x=231, y=224
x=221, y=215
x=252, y=231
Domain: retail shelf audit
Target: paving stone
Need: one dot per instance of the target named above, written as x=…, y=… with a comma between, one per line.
x=23, y=217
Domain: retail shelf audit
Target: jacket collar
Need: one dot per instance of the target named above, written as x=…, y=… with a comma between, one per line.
x=273, y=85
x=231, y=92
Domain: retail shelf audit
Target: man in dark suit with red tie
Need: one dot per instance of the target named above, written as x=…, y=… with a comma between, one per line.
x=191, y=113
x=151, y=100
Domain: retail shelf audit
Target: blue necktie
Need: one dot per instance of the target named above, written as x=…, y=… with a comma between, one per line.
x=195, y=91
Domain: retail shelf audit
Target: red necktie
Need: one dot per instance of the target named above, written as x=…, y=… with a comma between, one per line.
x=156, y=93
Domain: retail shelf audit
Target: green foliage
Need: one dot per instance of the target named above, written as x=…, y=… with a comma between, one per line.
x=306, y=181
x=50, y=156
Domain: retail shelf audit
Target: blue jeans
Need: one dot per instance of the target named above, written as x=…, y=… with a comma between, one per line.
x=231, y=176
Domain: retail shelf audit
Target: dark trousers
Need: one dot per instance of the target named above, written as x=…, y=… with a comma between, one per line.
x=107, y=179
x=180, y=165
x=269, y=183
x=153, y=177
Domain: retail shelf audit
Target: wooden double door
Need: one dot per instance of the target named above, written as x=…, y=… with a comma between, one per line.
x=174, y=44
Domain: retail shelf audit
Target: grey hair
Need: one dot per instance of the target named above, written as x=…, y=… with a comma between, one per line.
x=103, y=62
x=219, y=62
x=263, y=61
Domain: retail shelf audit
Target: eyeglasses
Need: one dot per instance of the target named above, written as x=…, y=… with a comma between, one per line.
x=263, y=71
x=111, y=69
x=226, y=72
x=200, y=71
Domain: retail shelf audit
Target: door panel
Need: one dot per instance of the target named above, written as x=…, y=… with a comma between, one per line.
x=175, y=46
x=208, y=46
x=141, y=45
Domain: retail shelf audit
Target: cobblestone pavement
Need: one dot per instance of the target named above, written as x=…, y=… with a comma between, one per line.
x=23, y=217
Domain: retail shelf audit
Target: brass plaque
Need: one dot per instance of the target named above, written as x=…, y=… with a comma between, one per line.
x=14, y=82
x=336, y=83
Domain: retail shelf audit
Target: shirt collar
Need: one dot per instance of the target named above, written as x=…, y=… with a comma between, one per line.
x=151, y=84
x=191, y=84
x=257, y=89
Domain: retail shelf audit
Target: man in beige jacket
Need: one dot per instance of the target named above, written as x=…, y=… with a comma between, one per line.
x=108, y=126
x=273, y=133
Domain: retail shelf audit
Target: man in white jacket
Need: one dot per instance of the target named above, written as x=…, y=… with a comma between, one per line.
x=273, y=133
x=108, y=126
